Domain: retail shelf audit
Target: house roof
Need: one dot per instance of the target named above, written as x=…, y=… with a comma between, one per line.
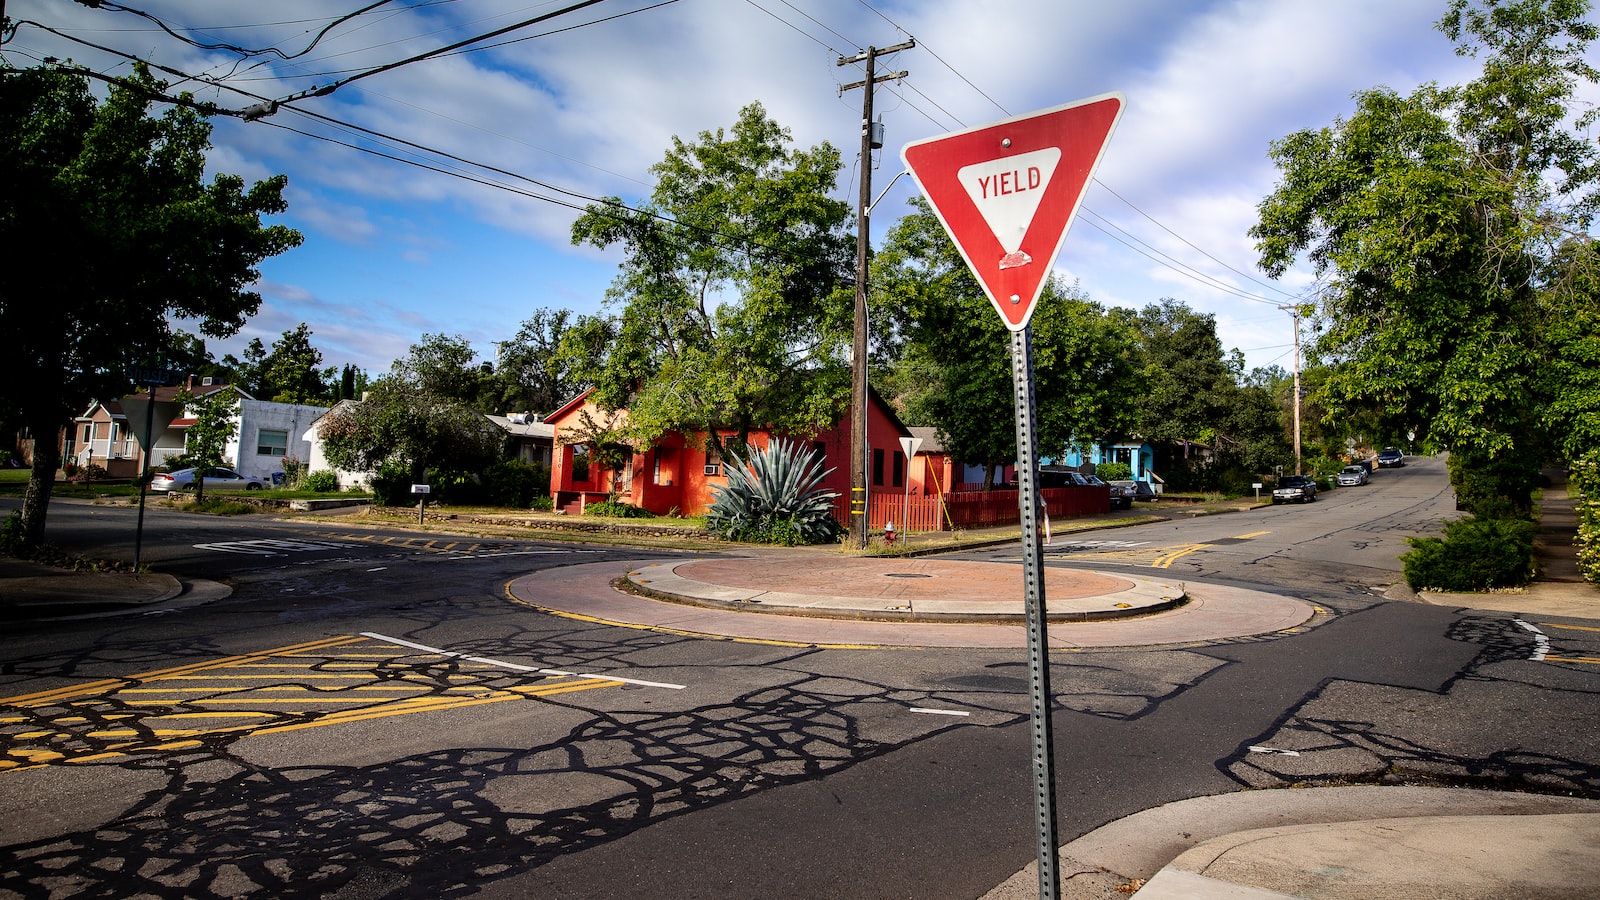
x=569, y=406
x=516, y=426
x=930, y=438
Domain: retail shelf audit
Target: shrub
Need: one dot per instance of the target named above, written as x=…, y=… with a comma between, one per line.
x=391, y=485
x=515, y=483
x=1583, y=485
x=542, y=503
x=294, y=469
x=1474, y=555
x=1114, y=471
x=616, y=509
x=775, y=498
x=322, y=481
x=11, y=543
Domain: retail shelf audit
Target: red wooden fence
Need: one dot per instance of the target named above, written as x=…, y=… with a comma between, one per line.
x=971, y=509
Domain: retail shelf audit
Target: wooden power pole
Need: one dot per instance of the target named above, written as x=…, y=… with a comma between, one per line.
x=858, y=352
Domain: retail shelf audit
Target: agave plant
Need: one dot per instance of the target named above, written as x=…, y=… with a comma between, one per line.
x=774, y=498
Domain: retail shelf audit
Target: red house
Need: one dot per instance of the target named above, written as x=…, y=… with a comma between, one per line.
x=679, y=471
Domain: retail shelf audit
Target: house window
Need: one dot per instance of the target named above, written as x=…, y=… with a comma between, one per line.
x=877, y=467
x=819, y=449
x=899, y=469
x=88, y=434
x=272, y=443
x=580, y=463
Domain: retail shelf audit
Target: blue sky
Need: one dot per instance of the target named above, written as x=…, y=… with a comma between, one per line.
x=393, y=251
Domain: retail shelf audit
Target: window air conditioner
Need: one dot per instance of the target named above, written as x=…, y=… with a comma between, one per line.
x=713, y=469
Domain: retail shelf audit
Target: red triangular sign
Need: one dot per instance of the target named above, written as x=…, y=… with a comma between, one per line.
x=1007, y=192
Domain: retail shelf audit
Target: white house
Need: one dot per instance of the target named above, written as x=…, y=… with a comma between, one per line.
x=267, y=432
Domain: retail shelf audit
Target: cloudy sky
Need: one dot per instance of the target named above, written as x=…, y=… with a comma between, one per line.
x=582, y=104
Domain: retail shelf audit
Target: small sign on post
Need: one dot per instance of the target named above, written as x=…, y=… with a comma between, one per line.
x=422, y=491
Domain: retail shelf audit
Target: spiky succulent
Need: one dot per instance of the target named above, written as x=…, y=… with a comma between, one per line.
x=774, y=497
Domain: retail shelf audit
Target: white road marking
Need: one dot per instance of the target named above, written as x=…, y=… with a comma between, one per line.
x=940, y=712
x=1541, y=642
x=268, y=547
x=517, y=667
x=1274, y=750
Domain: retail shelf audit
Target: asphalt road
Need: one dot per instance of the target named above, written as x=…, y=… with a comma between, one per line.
x=370, y=715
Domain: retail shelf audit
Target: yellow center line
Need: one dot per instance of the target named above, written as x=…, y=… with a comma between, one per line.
x=1252, y=534
x=1574, y=659
x=1570, y=627
x=1163, y=562
x=42, y=698
x=331, y=704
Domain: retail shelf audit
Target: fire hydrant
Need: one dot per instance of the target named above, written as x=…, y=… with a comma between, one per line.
x=888, y=533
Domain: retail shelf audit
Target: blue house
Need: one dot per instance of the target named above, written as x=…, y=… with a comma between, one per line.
x=1138, y=455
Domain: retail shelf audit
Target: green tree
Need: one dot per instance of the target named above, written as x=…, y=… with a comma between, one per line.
x=417, y=417
x=215, y=423
x=730, y=305
x=445, y=367
x=531, y=373
x=291, y=373
x=116, y=244
x=1189, y=384
x=953, y=359
x=250, y=373
x=1438, y=221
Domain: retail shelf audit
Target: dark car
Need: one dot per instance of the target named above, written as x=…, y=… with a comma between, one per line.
x=1295, y=489
x=1121, y=497
x=1391, y=458
x=1139, y=490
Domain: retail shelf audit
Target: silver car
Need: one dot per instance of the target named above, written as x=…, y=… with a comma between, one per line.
x=1350, y=476
x=217, y=479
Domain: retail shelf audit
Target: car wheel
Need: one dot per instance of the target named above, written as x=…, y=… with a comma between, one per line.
x=252, y=487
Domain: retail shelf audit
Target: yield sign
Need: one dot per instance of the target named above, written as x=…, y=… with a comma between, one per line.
x=1007, y=192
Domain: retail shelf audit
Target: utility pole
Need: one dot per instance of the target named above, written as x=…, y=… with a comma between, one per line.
x=1294, y=310
x=858, y=351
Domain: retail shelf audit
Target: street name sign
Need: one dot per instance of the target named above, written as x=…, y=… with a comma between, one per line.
x=1007, y=192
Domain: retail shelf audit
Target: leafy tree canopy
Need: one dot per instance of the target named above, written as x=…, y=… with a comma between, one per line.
x=117, y=244
x=954, y=352
x=420, y=417
x=1449, y=228
x=532, y=374
x=730, y=304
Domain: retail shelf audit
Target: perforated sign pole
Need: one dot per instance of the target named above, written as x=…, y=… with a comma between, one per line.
x=1007, y=193
x=1044, y=794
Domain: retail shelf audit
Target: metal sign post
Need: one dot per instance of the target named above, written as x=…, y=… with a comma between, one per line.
x=1044, y=794
x=151, y=376
x=1007, y=193
x=422, y=491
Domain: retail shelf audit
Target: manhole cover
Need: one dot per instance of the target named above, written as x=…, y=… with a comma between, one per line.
x=906, y=575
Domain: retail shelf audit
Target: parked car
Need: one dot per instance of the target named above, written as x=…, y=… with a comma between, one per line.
x=1350, y=476
x=217, y=479
x=1141, y=490
x=1121, y=497
x=1391, y=458
x=1296, y=488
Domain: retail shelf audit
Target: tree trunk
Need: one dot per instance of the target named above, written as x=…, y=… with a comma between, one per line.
x=41, y=480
